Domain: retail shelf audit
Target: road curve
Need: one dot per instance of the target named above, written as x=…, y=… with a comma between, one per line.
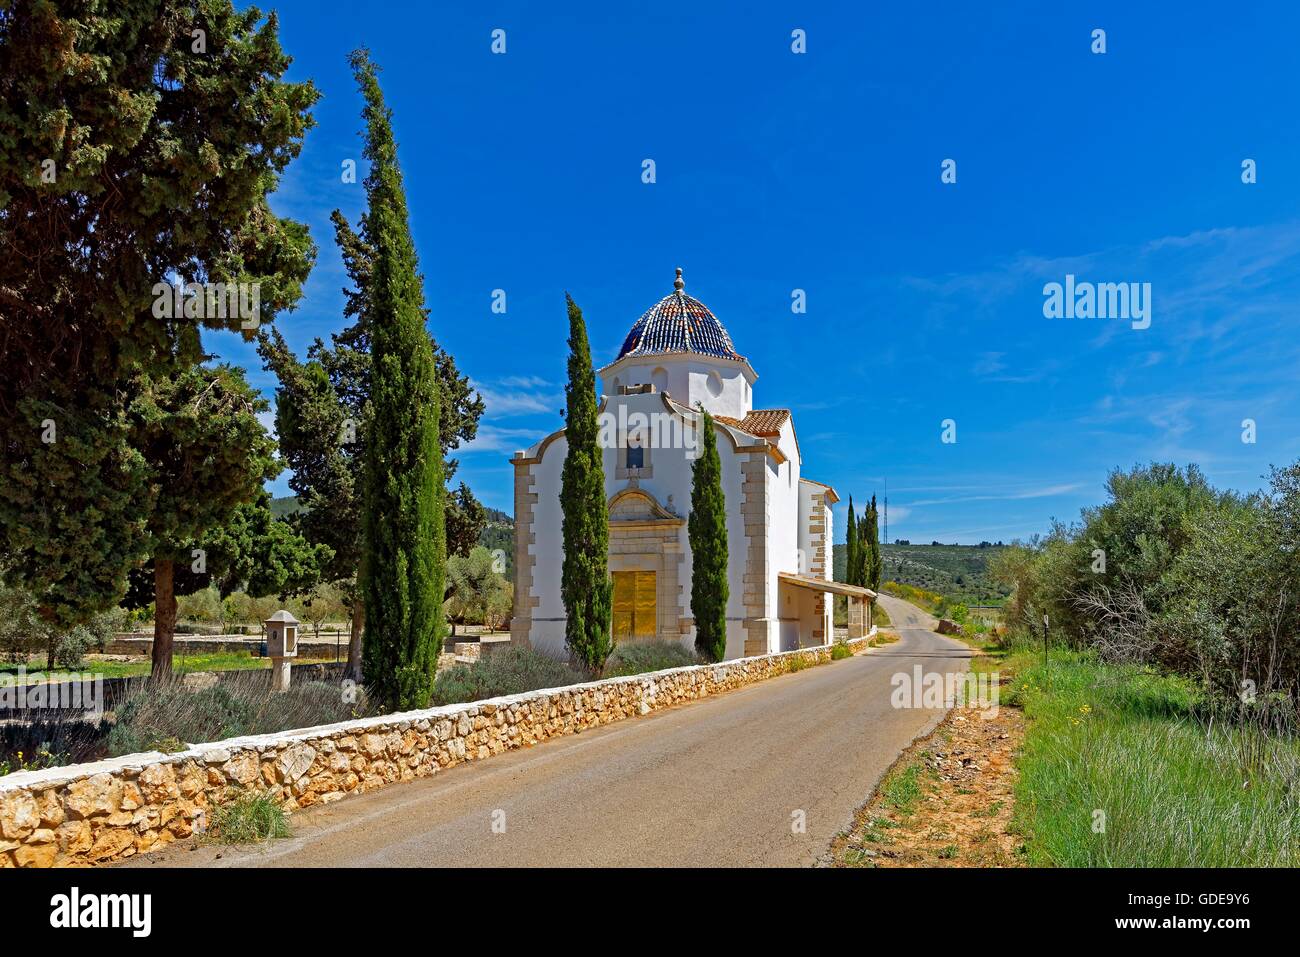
x=718, y=782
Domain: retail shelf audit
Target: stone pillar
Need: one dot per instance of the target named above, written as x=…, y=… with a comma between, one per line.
x=857, y=624
x=280, y=674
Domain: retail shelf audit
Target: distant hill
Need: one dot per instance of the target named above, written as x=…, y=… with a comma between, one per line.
x=285, y=506
x=958, y=571
x=499, y=533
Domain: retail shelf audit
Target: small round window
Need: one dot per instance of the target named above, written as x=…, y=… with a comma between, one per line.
x=714, y=384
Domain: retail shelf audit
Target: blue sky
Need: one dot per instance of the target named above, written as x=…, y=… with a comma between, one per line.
x=821, y=172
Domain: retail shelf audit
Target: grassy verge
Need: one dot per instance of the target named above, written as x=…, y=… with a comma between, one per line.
x=1116, y=772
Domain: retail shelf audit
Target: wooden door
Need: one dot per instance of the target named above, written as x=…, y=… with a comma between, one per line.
x=635, y=605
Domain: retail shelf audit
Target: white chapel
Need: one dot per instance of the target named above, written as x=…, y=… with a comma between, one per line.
x=676, y=358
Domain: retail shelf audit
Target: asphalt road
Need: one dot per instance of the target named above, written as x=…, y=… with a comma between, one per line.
x=762, y=776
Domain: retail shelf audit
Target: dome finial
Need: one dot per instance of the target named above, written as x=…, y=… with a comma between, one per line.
x=679, y=283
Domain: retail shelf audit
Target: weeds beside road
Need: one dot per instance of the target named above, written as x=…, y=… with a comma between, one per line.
x=1087, y=764
x=947, y=802
x=1118, y=771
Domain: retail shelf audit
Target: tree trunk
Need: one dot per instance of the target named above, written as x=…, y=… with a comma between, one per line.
x=164, y=619
x=356, y=624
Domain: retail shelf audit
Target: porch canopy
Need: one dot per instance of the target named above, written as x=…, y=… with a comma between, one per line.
x=859, y=624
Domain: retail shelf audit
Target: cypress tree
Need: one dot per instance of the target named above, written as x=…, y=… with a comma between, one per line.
x=321, y=414
x=585, y=585
x=874, y=562
x=707, y=530
x=851, y=546
x=404, y=555
x=861, y=551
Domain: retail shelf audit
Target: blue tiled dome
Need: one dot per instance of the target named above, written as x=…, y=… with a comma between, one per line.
x=678, y=323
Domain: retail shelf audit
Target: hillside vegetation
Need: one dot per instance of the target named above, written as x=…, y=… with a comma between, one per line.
x=498, y=535
x=959, y=572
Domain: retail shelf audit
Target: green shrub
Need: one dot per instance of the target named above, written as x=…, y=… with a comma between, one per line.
x=156, y=719
x=638, y=657
x=155, y=716
x=248, y=817
x=840, y=651
x=42, y=759
x=512, y=671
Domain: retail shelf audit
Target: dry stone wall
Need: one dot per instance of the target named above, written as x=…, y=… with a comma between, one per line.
x=114, y=809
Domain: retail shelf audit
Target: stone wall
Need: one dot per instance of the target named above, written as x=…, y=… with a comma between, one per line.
x=115, y=809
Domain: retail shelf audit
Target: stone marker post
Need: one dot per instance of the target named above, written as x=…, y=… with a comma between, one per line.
x=281, y=645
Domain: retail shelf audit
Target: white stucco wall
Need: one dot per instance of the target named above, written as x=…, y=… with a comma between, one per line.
x=670, y=475
x=686, y=377
x=783, y=536
x=783, y=547
x=806, y=544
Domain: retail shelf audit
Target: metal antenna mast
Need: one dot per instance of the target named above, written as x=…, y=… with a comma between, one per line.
x=886, y=511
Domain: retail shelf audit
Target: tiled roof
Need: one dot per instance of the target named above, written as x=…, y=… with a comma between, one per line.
x=764, y=422
x=678, y=323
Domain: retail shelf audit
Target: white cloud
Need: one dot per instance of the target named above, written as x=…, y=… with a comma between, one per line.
x=1038, y=492
x=491, y=438
x=267, y=419
x=519, y=395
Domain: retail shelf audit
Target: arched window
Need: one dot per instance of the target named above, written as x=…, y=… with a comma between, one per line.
x=635, y=452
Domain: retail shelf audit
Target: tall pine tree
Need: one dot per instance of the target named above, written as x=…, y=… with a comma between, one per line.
x=851, y=546
x=405, y=554
x=207, y=454
x=707, y=530
x=133, y=156
x=585, y=584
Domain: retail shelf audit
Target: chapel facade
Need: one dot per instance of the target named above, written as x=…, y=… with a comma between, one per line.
x=676, y=358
